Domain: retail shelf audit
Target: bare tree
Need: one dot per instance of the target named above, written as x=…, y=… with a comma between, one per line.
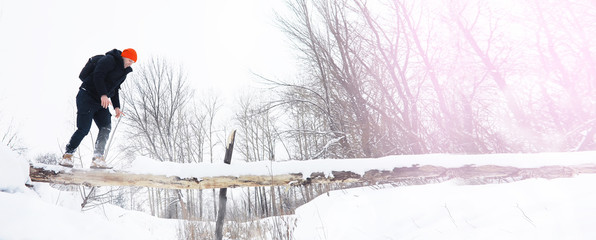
x=402, y=77
x=335, y=87
x=562, y=50
x=157, y=101
x=159, y=126
x=256, y=143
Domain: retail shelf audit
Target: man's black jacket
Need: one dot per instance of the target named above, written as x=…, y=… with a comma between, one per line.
x=107, y=77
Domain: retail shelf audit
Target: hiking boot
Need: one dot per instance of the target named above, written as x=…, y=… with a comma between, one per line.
x=66, y=160
x=99, y=162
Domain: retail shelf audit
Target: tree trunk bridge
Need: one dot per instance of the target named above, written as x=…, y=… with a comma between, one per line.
x=415, y=174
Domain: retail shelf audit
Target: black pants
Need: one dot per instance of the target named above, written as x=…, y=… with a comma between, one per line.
x=89, y=110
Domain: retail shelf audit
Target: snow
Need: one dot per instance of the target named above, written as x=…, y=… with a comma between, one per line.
x=560, y=208
x=26, y=216
x=144, y=165
x=46, y=213
x=14, y=171
x=530, y=209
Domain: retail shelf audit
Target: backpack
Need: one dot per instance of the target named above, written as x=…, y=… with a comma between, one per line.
x=89, y=67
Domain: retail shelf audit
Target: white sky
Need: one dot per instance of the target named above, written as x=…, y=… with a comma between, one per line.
x=44, y=44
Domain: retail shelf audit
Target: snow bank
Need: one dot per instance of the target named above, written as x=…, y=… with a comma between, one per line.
x=530, y=209
x=26, y=216
x=47, y=213
x=144, y=165
x=14, y=171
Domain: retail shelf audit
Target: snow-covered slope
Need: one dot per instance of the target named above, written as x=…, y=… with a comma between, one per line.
x=532, y=209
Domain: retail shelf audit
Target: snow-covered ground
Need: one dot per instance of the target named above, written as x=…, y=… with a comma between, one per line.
x=530, y=209
x=562, y=208
x=46, y=213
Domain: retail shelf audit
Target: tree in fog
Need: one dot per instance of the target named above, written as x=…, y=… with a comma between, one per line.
x=332, y=80
x=563, y=50
x=403, y=77
x=361, y=76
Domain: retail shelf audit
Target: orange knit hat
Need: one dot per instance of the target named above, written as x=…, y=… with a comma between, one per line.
x=130, y=54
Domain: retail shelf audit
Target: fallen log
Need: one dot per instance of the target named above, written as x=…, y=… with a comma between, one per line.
x=469, y=174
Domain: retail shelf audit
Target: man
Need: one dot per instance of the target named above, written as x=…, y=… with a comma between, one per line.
x=93, y=100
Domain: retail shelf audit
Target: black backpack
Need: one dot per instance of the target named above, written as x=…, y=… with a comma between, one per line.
x=89, y=67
